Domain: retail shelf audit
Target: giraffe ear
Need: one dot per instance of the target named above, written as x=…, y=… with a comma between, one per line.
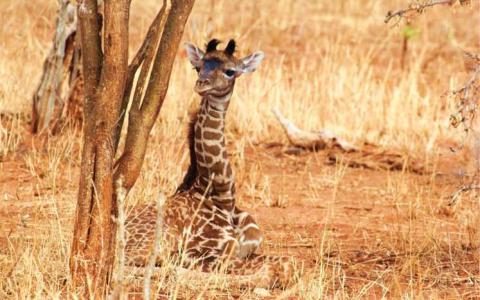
x=194, y=54
x=250, y=63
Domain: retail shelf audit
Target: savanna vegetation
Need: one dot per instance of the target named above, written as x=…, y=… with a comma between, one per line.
x=361, y=232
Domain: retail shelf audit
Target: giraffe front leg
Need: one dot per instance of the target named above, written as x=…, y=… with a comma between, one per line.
x=248, y=233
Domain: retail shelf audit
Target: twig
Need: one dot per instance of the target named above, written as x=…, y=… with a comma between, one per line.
x=467, y=105
x=417, y=7
x=156, y=248
x=471, y=81
x=456, y=195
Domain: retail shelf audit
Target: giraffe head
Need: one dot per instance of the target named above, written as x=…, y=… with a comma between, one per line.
x=218, y=69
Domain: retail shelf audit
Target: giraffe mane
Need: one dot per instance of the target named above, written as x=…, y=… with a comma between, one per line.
x=192, y=171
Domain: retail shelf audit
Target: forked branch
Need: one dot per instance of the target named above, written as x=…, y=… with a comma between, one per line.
x=143, y=59
x=141, y=122
x=465, y=90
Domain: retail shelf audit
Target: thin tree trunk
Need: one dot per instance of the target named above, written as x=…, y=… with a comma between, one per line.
x=56, y=97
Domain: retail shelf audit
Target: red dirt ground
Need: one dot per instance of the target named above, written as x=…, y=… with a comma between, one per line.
x=361, y=228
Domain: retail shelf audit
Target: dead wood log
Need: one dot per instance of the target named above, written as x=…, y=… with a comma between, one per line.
x=319, y=140
x=368, y=156
x=59, y=93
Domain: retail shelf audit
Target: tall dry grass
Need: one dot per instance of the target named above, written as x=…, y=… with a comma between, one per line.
x=329, y=64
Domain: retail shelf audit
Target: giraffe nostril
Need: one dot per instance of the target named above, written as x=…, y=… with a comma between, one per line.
x=204, y=81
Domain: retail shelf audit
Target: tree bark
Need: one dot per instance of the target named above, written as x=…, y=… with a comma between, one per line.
x=144, y=113
x=56, y=97
x=108, y=82
x=92, y=248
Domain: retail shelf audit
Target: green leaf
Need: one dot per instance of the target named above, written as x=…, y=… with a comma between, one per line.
x=409, y=32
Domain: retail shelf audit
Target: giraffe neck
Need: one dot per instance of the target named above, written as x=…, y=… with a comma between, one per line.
x=215, y=176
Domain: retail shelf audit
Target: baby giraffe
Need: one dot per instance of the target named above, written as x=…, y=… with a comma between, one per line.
x=200, y=221
x=215, y=85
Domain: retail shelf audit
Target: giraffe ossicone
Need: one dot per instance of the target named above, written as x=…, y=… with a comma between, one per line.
x=202, y=217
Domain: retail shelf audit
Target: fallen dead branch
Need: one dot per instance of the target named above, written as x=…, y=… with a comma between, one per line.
x=367, y=156
x=311, y=140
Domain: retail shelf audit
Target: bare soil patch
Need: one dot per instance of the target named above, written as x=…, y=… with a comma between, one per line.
x=371, y=232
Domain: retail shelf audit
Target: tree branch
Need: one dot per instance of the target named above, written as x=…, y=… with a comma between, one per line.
x=470, y=83
x=149, y=56
x=312, y=140
x=140, y=125
x=143, y=58
x=417, y=7
x=466, y=103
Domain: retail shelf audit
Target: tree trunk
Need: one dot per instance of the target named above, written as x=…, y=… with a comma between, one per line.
x=108, y=82
x=57, y=98
x=92, y=250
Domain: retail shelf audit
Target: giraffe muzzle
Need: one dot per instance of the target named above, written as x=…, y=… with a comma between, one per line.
x=202, y=86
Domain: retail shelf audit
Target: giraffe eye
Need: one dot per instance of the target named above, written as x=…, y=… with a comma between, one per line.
x=230, y=72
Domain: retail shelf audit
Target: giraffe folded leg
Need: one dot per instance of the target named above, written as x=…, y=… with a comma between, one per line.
x=258, y=271
x=249, y=235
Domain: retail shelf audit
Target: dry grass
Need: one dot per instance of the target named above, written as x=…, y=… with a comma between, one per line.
x=329, y=64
